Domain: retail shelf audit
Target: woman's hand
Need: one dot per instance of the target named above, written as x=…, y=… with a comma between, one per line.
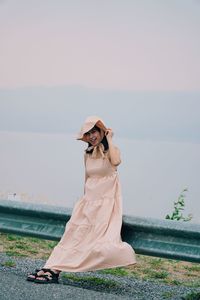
x=114, y=153
x=109, y=134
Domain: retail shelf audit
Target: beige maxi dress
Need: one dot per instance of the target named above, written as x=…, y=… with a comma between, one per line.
x=92, y=237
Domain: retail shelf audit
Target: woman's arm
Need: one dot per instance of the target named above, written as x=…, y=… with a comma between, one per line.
x=114, y=153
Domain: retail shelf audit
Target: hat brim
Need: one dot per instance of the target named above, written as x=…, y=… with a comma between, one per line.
x=88, y=126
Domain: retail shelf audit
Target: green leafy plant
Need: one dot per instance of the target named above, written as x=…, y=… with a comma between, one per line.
x=179, y=206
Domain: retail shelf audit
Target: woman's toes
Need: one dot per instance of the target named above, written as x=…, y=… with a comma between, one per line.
x=40, y=278
x=40, y=273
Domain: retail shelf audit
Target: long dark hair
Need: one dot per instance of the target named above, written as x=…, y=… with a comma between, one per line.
x=104, y=142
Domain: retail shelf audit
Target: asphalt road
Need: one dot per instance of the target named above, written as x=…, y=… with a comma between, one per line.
x=16, y=287
x=13, y=285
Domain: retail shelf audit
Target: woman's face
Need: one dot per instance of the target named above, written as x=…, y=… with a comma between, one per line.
x=93, y=137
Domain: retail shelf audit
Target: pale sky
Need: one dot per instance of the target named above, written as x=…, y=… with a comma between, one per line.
x=115, y=44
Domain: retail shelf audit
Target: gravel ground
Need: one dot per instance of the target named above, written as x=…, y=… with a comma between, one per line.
x=13, y=285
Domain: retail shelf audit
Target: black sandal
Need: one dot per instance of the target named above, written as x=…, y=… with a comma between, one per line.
x=48, y=278
x=35, y=274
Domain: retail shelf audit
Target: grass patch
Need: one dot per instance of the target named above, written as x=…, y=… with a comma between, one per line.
x=167, y=295
x=192, y=268
x=176, y=282
x=156, y=262
x=15, y=253
x=15, y=245
x=91, y=281
x=168, y=271
x=12, y=237
x=9, y=263
x=156, y=274
x=115, y=271
x=192, y=296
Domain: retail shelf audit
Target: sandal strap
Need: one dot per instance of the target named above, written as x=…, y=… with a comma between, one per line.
x=34, y=273
x=54, y=275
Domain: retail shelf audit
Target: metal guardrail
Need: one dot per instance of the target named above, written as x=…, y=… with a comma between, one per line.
x=161, y=238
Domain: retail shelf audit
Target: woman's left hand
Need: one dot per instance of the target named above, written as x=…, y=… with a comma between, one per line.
x=109, y=133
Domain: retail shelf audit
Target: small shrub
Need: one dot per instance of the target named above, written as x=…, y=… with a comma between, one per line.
x=179, y=206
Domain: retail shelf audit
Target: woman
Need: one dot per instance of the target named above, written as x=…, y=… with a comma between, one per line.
x=92, y=239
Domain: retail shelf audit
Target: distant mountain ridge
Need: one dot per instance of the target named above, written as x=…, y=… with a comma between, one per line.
x=133, y=114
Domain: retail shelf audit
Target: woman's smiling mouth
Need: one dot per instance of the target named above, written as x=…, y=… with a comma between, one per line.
x=93, y=140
